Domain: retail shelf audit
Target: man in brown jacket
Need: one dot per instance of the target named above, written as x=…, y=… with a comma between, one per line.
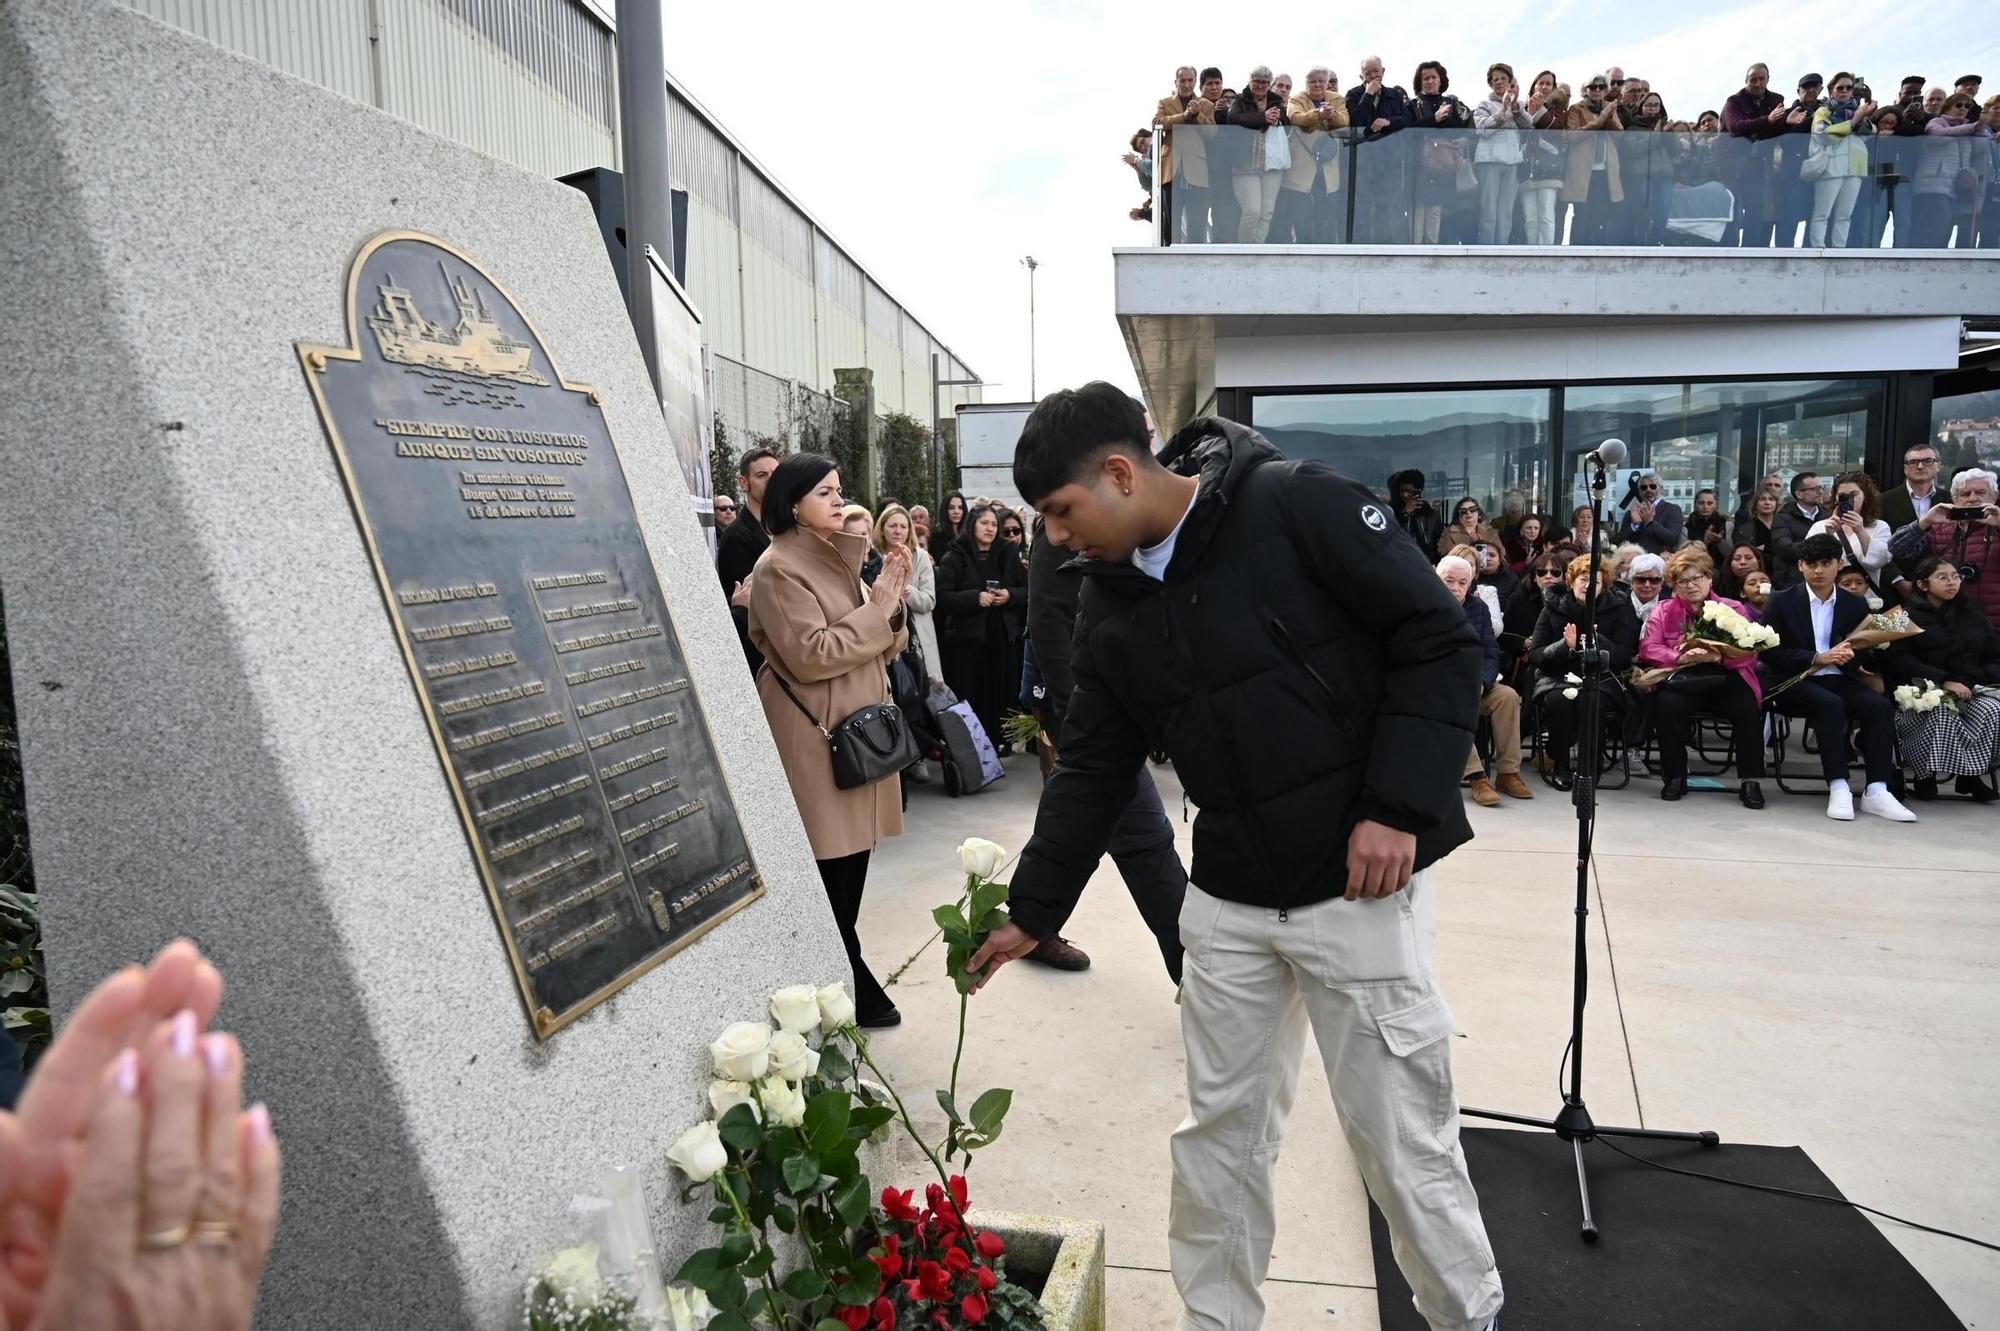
x=1184, y=161
x=1313, y=183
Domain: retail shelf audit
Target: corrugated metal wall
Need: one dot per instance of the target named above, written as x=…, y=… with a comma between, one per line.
x=534, y=82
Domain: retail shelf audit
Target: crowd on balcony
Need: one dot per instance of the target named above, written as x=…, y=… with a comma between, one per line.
x=1609, y=164
x=1815, y=560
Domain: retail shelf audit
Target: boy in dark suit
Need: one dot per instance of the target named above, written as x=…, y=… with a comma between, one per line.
x=1811, y=618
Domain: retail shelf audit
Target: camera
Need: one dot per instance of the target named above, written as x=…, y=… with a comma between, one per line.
x=1968, y=573
x=1846, y=504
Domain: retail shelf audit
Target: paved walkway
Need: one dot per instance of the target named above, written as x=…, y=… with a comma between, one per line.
x=1774, y=976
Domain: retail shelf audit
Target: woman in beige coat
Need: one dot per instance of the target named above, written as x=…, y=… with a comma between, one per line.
x=832, y=640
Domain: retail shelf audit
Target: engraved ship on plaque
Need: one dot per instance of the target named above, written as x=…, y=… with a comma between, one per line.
x=476, y=345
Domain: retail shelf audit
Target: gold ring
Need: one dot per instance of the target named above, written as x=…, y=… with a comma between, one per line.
x=163, y=1239
x=215, y=1233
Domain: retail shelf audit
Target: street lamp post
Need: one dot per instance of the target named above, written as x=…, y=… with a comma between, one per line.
x=1031, y=265
x=937, y=442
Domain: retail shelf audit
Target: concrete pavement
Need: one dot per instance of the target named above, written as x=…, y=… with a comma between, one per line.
x=1775, y=976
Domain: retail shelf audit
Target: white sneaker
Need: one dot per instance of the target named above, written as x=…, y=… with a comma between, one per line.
x=1887, y=806
x=1840, y=804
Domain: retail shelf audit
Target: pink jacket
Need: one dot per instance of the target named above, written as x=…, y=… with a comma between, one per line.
x=1660, y=644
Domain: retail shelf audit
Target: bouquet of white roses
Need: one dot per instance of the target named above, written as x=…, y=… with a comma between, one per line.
x=1925, y=695
x=1729, y=632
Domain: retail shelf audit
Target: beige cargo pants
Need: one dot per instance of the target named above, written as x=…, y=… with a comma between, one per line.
x=1359, y=973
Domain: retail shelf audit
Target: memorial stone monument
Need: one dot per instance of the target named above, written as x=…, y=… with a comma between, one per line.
x=363, y=632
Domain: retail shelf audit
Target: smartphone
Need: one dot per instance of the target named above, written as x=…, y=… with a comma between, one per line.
x=992, y=584
x=1967, y=512
x=1847, y=502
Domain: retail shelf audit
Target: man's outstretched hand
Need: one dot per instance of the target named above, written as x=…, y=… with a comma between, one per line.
x=1005, y=944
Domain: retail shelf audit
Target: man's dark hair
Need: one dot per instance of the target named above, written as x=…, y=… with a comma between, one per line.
x=1799, y=481
x=1919, y=445
x=1407, y=476
x=792, y=481
x=1820, y=549
x=1211, y=73
x=1703, y=491
x=752, y=457
x=1068, y=433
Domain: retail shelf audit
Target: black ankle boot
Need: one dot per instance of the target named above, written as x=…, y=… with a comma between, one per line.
x=1980, y=792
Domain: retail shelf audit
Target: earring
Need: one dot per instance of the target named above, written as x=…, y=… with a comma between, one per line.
x=1127, y=492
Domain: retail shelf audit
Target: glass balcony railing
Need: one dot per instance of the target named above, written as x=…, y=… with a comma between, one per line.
x=1224, y=184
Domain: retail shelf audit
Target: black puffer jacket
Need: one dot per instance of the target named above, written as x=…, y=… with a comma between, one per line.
x=1303, y=666
x=1617, y=632
x=1055, y=586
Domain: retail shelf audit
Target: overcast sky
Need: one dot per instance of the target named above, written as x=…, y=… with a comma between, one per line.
x=940, y=144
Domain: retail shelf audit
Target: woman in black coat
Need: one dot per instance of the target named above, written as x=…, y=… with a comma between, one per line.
x=982, y=610
x=1553, y=652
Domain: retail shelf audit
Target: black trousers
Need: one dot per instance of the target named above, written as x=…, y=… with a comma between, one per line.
x=1722, y=692
x=844, y=878
x=1142, y=846
x=1827, y=703
x=1559, y=714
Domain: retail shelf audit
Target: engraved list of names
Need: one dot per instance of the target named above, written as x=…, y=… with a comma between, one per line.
x=503, y=532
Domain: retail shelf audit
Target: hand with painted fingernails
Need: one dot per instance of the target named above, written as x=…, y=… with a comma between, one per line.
x=173, y=1197
x=59, y=1099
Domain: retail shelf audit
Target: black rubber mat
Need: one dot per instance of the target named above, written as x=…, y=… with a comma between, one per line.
x=1674, y=1252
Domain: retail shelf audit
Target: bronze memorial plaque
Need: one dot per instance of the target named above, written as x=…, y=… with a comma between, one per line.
x=519, y=585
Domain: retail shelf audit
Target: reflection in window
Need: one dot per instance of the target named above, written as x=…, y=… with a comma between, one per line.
x=1491, y=444
x=1722, y=437
x=1966, y=429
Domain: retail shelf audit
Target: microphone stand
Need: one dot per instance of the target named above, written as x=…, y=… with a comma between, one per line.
x=1572, y=1122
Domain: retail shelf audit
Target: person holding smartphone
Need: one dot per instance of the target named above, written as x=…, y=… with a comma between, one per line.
x=982, y=606
x=1967, y=532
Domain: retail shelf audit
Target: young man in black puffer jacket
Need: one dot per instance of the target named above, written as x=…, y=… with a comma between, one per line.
x=1269, y=625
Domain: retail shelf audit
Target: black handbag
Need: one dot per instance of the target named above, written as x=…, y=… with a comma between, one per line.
x=872, y=744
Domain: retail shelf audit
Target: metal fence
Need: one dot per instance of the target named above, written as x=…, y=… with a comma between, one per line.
x=757, y=405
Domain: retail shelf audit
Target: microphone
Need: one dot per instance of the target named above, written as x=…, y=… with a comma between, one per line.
x=1609, y=455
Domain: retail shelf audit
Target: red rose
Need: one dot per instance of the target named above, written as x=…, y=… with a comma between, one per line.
x=987, y=1280
x=898, y=1205
x=936, y=1281
x=991, y=1245
x=974, y=1308
x=958, y=1261
x=854, y=1319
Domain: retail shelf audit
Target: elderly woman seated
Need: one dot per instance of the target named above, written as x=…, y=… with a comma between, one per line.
x=1705, y=679
x=1498, y=703
x=1553, y=651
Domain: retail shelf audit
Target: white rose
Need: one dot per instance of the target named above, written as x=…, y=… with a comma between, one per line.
x=1572, y=679
x=784, y=1103
x=689, y=1309
x=740, y=1052
x=699, y=1152
x=981, y=858
x=791, y=1057
x=572, y=1274
x=1570, y=694
x=836, y=1009
x=795, y=1008
x=724, y=1096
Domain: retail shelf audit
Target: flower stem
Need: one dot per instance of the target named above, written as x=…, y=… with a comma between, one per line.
x=736, y=1205
x=956, y=1054
x=944, y=1176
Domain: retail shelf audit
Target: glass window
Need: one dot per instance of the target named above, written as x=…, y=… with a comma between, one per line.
x=1491, y=444
x=1723, y=437
x=1966, y=429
